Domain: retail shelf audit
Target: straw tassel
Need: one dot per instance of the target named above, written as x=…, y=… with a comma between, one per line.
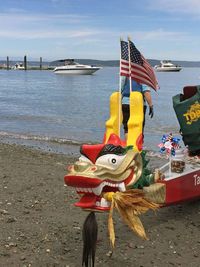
x=130, y=204
x=111, y=230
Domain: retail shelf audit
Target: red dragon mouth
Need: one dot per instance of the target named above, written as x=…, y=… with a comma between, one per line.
x=92, y=190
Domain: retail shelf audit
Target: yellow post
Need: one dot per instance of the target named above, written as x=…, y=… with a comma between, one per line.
x=135, y=123
x=114, y=122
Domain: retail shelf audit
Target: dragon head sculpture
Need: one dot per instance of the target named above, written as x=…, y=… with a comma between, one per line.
x=107, y=176
x=103, y=168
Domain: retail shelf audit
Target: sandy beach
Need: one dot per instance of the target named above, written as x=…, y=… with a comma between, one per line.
x=40, y=227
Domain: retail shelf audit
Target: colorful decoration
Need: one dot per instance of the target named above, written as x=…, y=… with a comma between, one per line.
x=109, y=176
x=103, y=168
x=169, y=144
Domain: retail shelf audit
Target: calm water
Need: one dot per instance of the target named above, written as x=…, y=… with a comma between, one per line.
x=52, y=111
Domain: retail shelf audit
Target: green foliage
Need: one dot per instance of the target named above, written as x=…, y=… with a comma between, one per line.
x=147, y=176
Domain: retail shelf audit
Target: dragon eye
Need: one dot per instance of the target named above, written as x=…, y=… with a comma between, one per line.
x=113, y=160
x=110, y=161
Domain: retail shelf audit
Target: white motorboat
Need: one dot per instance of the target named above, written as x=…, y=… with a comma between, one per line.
x=167, y=65
x=71, y=67
x=19, y=66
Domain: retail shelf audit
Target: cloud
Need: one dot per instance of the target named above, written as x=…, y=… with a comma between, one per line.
x=177, y=6
x=60, y=26
x=46, y=34
x=41, y=26
x=157, y=34
x=20, y=17
x=160, y=34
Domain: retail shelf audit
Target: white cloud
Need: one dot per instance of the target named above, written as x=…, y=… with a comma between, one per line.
x=161, y=34
x=90, y=36
x=157, y=34
x=177, y=6
x=46, y=34
x=59, y=26
x=40, y=26
x=21, y=17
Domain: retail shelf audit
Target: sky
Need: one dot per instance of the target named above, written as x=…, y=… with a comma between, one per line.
x=91, y=29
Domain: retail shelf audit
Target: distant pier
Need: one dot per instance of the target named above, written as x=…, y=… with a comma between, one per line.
x=24, y=64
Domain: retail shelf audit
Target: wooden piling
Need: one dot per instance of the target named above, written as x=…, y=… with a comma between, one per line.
x=40, y=63
x=25, y=62
x=7, y=63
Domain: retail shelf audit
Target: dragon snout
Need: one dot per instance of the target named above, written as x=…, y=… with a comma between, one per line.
x=80, y=166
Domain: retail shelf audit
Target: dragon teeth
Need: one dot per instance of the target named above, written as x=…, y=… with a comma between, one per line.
x=104, y=203
x=98, y=204
x=84, y=189
x=98, y=190
x=122, y=187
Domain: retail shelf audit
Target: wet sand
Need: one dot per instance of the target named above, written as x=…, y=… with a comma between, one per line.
x=39, y=226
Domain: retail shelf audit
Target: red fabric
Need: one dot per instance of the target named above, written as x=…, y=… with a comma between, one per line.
x=189, y=91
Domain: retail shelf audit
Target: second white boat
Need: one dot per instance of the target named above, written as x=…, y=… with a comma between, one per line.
x=72, y=67
x=167, y=65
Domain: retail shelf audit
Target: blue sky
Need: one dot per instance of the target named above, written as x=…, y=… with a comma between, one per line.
x=54, y=29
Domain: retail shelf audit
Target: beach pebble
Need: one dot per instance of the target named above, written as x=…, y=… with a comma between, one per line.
x=11, y=220
x=22, y=258
x=4, y=212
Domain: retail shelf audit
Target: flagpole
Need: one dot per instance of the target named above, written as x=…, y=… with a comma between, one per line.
x=120, y=88
x=129, y=61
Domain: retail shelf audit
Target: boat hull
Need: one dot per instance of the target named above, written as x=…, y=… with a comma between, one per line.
x=20, y=68
x=168, y=69
x=75, y=71
x=184, y=188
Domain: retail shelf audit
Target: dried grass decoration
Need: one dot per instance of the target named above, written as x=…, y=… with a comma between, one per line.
x=130, y=204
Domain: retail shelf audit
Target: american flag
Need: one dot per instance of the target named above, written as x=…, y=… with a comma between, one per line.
x=141, y=70
x=124, y=61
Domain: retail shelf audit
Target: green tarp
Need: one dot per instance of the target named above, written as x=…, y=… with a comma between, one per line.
x=188, y=114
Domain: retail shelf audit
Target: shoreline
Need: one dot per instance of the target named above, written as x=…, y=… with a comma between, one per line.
x=41, y=227
x=44, y=146
x=68, y=148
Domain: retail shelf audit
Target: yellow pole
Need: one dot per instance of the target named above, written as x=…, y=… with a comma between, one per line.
x=112, y=124
x=135, y=123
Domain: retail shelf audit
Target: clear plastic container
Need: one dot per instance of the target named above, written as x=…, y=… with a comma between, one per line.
x=177, y=161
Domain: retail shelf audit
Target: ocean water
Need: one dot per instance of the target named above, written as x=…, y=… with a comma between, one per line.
x=60, y=112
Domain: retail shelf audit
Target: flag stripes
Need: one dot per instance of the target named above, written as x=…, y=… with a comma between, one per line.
x=137, y=67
